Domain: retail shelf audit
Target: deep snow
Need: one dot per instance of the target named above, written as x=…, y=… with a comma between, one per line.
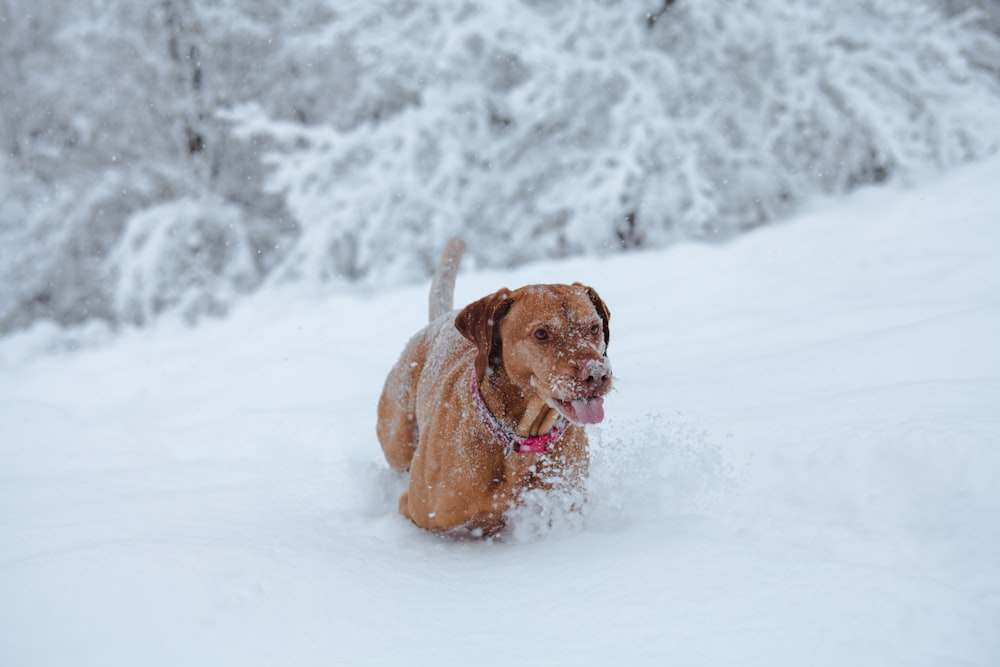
x=800, y=466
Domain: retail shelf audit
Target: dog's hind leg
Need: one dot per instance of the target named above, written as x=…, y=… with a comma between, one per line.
x=397, y=419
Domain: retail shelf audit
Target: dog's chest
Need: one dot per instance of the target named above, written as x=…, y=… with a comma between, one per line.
x=522, y=468
x=529, y=471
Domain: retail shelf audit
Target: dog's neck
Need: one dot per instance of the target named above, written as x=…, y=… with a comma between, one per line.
x=527, y=413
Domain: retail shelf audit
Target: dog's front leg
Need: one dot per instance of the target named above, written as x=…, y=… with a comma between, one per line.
x=446, y=505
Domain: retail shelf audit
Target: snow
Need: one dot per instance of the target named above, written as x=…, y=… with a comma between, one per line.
x=799, y=466
x=178, y=156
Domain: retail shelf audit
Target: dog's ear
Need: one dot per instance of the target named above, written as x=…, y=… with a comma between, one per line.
x=602, y=310
x=479, y=323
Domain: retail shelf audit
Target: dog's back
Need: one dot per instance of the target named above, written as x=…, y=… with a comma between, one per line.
x=397, y=410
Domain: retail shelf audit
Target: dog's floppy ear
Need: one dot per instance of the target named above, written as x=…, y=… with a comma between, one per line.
x=602, y=310
x=479, y=321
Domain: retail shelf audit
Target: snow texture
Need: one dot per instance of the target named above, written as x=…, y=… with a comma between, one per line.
x=799, y=466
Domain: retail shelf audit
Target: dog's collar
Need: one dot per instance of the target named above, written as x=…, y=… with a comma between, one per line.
x=511, y=441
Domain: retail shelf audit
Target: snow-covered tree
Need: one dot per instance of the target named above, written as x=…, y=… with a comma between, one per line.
x=114, y=118
x=539, y=129
x=178, y=154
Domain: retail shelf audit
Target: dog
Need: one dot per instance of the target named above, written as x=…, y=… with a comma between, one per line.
x=491, y=401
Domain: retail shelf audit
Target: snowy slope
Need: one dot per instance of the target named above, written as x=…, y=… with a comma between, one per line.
x=800, y=466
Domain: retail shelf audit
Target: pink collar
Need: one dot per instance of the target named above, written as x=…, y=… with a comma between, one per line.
x=511, y=441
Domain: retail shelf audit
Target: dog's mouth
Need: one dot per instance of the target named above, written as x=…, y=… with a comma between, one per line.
x=581, y=410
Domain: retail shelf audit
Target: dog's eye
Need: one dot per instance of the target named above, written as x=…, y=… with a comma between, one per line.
x=595, y=329
x=542, y=334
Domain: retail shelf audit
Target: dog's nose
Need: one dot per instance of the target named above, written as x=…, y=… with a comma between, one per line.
x=594, y=375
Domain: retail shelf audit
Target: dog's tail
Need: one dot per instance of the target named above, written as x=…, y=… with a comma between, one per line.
x=443, y=287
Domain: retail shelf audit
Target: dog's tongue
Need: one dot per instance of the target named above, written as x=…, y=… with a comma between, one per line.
x=589, y=410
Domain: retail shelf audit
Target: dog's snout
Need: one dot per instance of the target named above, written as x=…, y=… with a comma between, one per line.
x=594, y=375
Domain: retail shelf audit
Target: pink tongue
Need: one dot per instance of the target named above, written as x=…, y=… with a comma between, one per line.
x=589, y=410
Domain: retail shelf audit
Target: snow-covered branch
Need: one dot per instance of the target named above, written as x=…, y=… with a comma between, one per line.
x=347, y=141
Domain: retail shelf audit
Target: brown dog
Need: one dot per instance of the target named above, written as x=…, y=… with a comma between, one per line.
x=492, y=401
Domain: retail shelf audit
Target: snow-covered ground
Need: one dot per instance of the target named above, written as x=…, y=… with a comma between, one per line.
x=800, y=466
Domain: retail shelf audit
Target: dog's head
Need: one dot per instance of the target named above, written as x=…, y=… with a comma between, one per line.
x=548, y=339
